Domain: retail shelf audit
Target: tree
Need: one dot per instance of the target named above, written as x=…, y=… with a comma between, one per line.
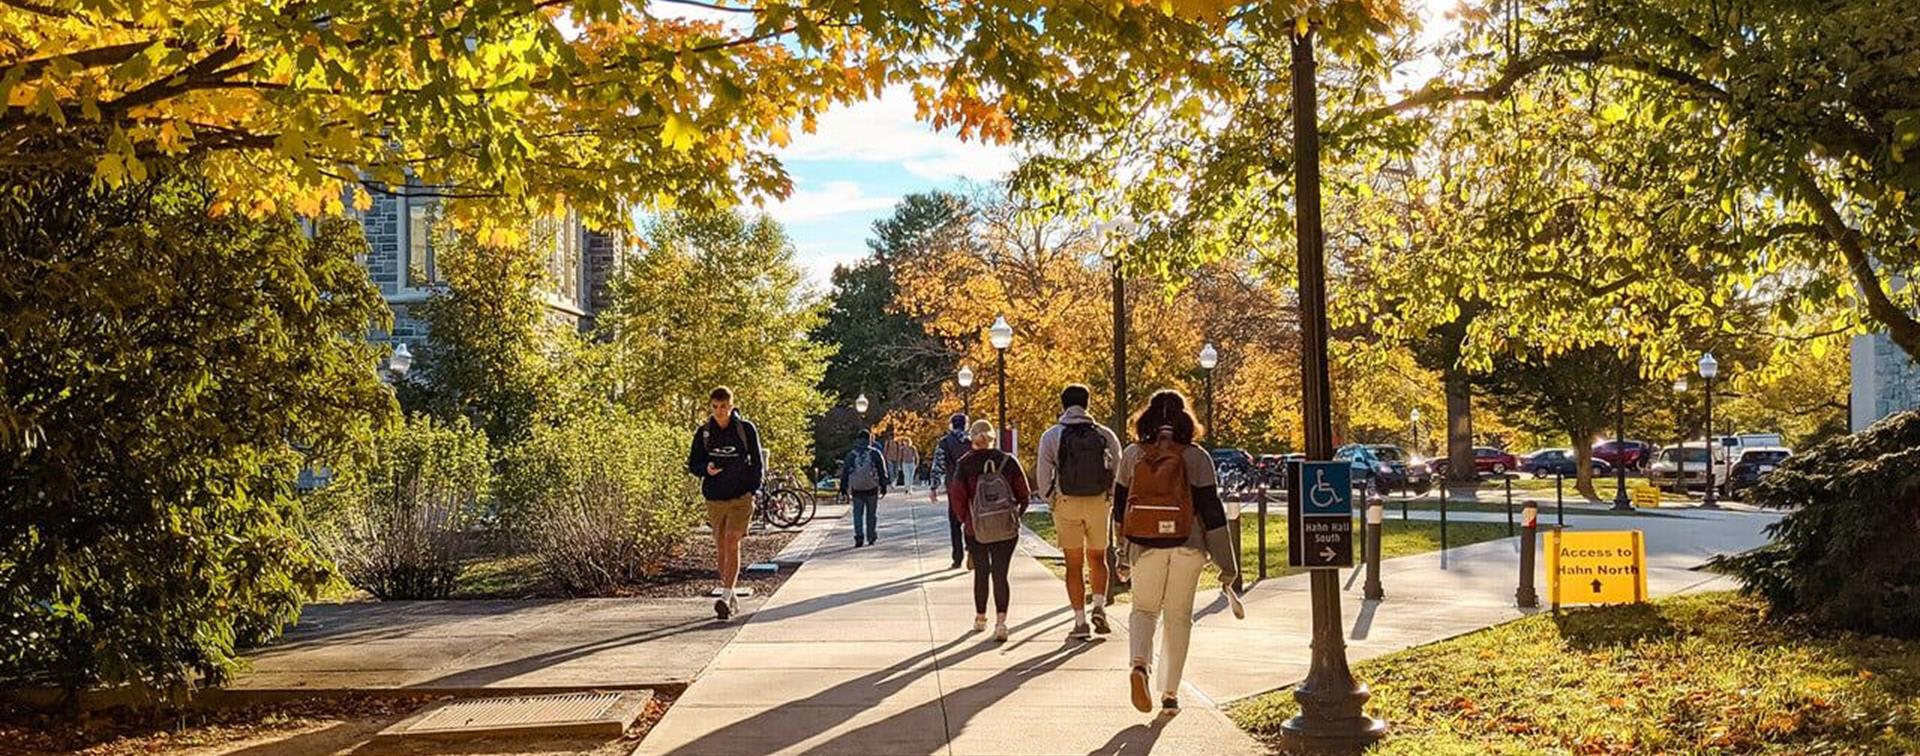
x=882, y=352
x=167, y=374
x=716, y=299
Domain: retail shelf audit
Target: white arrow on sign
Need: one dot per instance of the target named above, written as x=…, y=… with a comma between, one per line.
x=1327, y=553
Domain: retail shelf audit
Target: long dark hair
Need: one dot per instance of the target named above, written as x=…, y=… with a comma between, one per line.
x=1167, y=409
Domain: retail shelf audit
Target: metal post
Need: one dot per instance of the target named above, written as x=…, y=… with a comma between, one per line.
x=1509, y=482
x=1332, y=705
x=1712, y=498
x=1560, y=497
x=1119, y=387
x=1003, y=390
x=1261, y=492
x=1525, y=596
x=1375, y=515
x=1445, y=493
x=1621, y=502
x=1210, y=442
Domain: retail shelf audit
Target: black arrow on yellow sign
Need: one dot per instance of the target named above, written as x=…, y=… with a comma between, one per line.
x=1596, y=586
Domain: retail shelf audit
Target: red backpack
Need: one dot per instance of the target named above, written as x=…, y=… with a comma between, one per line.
x=1159, y=502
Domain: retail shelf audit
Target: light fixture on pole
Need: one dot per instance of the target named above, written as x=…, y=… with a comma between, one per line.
x=1104, y=231
x=1001, y=336
x=966, y=390
x=398, y=363
x=1209, y=357
x=860, y=406
x=1413, y=425
x=1710, y=369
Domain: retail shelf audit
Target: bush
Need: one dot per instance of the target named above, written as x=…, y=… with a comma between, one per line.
x=1847, y=557
x=399, y=526
x=156, y=361
x=603, y=496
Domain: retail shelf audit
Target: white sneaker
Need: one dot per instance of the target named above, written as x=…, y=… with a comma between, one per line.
x=1000, y=631
x=733, y=604
x=1233, y=602
x=979, y=624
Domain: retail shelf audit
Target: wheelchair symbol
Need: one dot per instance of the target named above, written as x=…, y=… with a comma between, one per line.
x=1322, y=495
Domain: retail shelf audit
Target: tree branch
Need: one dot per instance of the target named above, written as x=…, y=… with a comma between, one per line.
x=1901, y=325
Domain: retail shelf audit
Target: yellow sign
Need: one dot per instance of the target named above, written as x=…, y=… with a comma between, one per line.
x=1606, y=567
x=1645, y=497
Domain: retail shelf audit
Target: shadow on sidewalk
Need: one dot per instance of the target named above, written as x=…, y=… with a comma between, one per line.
x=810, y=605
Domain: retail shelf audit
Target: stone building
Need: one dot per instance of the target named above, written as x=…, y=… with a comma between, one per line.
x=1885, y=380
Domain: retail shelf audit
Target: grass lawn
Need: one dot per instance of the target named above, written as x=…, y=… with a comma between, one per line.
x=1702, y=674
x=1397, y=539
x=1393, y=507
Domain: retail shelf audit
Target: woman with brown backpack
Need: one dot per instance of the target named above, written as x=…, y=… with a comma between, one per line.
x=988, y=494
x=1167, y=507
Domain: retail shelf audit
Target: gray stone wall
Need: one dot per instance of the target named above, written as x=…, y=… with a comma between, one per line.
x=382, y=225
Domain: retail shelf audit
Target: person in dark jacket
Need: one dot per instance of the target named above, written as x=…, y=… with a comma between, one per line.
x=726, y=458
x=991, y=561
x=863, y=475
x=946, y=456
x=1166, y=571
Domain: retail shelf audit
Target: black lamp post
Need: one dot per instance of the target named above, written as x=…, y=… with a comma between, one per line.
x=1209, y=357
x=1001, y=336
x=1621, y=502
x=1680, y=457
x=966, y=391
x=1332, y=716
x=1104, y=230
x=1709, y=369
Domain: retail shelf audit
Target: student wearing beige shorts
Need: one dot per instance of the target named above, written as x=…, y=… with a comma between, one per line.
x=726, y=458
x=1074, y=473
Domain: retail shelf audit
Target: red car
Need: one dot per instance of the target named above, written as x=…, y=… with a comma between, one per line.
x=1632, y=455
x=1486, y=461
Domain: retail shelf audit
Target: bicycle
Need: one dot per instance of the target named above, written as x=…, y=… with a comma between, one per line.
x=783, y=504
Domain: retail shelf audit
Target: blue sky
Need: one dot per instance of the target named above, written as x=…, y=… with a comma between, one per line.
x=860, y=161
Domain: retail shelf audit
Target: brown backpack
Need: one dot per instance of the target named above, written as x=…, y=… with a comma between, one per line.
x=1159, y=502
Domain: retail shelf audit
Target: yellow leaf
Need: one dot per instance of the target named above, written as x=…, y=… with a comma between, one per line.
x=678, y=133
x=1614, y=113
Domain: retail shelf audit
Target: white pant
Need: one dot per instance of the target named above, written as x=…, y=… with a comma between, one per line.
x=1164, y=581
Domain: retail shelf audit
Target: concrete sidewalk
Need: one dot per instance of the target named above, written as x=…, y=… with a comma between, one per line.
x=870, y=651
x=1434, y=596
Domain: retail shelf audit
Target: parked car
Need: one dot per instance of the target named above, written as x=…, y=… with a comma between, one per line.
x=1486, y=461
x=1678, y=467
x=1546, y=463
x=1753, y=464
x=1386, y=467
x=1272, y=468
x=1229, y=458
x=1633, y=455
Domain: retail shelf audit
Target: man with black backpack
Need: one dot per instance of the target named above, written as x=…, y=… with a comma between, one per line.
x=726, y=458
x=1075, y=474
x=864, y=477
x=946, y=462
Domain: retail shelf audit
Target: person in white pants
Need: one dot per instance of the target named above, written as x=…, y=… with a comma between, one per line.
x=1165, y=571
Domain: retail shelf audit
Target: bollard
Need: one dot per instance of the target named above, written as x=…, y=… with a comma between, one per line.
x=1509, y=482
x=1560, y=497
x=1239, y=574
x=1530, y=524
x=1375, y=513
x=1262, y=540
x=1445, y=493
x=1403, y=509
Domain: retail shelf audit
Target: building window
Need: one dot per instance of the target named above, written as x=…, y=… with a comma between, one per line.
x=420, y=267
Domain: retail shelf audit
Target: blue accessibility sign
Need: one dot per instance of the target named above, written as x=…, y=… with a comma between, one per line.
x=1326, y=489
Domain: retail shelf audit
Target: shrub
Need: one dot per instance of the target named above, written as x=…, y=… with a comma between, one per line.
x=399, y=526
x=155, y=361
x=1846, y=558
x=604, y=498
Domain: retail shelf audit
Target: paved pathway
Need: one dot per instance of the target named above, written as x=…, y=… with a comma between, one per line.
x=868, y=651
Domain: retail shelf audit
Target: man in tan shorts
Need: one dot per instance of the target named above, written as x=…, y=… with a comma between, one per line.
x=726, y=458
x=1077, y=459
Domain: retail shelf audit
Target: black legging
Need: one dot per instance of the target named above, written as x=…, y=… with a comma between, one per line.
x=991, y=559
x=954, y=531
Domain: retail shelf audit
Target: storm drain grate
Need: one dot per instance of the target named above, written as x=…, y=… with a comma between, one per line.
x=565, y=714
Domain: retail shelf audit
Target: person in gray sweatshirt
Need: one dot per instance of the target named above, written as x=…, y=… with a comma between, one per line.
x=1074, y=475
x=1167, y=505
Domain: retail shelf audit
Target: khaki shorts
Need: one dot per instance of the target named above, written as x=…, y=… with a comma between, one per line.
x=1082, y=521
x=730, y=515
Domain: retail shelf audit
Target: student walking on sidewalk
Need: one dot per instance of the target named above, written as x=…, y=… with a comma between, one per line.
x=1075, y=473
x=909, y=462
x=946, y=459
x=726, y=458
x=988, y=495
x=863, y=475
x=1167, y=505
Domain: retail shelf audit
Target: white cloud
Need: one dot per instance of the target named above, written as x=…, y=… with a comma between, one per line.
x=884, y=130
x=818, y=258
x=834, y=198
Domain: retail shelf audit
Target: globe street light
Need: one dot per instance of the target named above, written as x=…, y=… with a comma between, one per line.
x=1709, y=369
x=398, y=363
x=966, y=390
x=860, y=406
x=1001, y=336
x=1209, y=357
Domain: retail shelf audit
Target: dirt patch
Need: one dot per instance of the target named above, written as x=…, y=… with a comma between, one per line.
x=690, y=571
x=307, y=727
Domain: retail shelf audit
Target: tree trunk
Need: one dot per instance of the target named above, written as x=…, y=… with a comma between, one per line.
x=1459, y=426
x=1583, y=462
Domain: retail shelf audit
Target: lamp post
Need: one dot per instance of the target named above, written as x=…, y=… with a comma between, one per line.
x=1680, y=459
x=1001, y=336
x=860, y=405
x=1413, y=424
x=966, y=390
x=1332, y=715
x=1104, y=231
x=1709, y=369
x=1621, y=502
x=398, y=364
x=1209, y=357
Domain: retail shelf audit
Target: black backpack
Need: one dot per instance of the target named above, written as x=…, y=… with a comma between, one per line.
x=1083, y=468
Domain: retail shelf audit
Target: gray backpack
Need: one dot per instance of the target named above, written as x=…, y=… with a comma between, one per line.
x=864, y=476
x=996, y=515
